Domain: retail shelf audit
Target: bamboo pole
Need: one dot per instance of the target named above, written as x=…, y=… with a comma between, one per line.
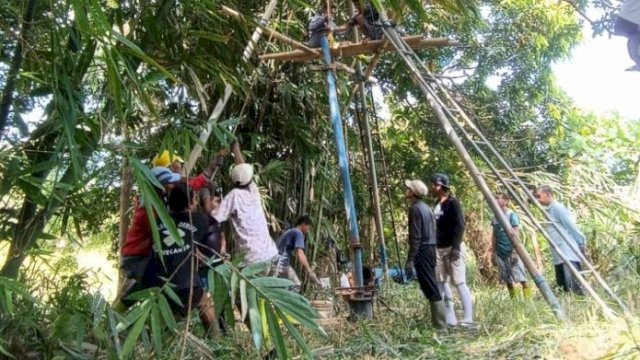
x=536, y=252
x=125, y=202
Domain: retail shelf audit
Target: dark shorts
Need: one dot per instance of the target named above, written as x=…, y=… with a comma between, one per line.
x=624, y=27
x=134, y=266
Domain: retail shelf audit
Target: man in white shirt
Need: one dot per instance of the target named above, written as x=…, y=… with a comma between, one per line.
x=243, y=206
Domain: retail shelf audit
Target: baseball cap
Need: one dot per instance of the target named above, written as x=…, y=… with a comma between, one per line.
x=441, y=179
x=165, y=176
x=417, y=187
x=242, y=174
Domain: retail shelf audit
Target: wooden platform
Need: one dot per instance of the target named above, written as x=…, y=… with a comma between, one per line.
x=353, y=49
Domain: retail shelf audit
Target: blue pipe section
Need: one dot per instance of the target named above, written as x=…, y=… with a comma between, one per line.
x=349, y=203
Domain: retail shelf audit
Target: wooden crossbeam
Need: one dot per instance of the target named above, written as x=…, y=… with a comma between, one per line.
x=351, y=49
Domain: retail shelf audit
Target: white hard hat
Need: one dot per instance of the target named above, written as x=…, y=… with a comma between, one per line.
x=242, y=174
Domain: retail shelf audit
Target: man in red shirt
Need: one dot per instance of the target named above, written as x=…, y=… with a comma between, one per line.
x=137, y=247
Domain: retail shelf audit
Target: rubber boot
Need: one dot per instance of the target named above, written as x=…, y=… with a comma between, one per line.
x=512, y=292
x=527, y=292
x=438, y=314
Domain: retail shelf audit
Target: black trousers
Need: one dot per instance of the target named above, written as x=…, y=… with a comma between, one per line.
x=425, y=265
x=566, y=280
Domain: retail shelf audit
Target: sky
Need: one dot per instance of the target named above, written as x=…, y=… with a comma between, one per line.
x=596, y=79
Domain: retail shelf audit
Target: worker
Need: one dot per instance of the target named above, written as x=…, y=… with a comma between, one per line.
x=421, y=258
x=510, y=267
x=291, y=243
x=320, y=25
x=243, y=205
x=367, y=20
x=136, y=249
x=565, y=234
x=169, y=160
x=450, y=250
x=174, y=261
x=628, y=25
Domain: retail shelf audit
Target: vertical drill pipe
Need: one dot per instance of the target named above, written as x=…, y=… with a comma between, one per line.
x=349, y=204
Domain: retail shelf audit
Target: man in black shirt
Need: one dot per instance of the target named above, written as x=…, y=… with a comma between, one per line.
x=421, y=259
x=180, y=265
x=450, y=249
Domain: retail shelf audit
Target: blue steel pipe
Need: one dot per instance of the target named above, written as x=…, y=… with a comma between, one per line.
x=349, y=204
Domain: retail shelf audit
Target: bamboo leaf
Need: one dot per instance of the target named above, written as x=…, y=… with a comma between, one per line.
x=275, y=332
x=172, y=295
x=165, y=311
x=243, y=300
x=256, y=268
x=136, y=330
x=235, y=281
x=136, y=51
x=254, y=318
x=114, y=331
x=272, y=282
x=295, y=334
x=156, y=329
x=98, y=308
x=4, y=351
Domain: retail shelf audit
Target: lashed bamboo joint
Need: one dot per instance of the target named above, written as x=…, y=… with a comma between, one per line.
x=353, y=49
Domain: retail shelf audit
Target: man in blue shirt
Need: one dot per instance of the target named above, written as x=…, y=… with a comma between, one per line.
x=290, y=243
x=565, y=231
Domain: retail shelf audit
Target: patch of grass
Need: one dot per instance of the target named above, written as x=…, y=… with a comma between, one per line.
x=506, y=329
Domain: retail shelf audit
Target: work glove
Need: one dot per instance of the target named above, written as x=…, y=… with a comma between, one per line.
x=454, y=255
x=313, y=277
x=410, y=273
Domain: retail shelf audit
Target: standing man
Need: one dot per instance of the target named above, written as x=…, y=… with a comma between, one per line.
x=292, y=241
x=510, y=267
x=561, y=217
x=421, y=259
x=243, y=206
x=628, y=25
x=450, y=249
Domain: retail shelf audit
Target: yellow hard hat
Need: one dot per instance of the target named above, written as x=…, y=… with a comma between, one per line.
x=165, y=159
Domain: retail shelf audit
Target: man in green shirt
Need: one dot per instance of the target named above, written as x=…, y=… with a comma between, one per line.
x=509, y=265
